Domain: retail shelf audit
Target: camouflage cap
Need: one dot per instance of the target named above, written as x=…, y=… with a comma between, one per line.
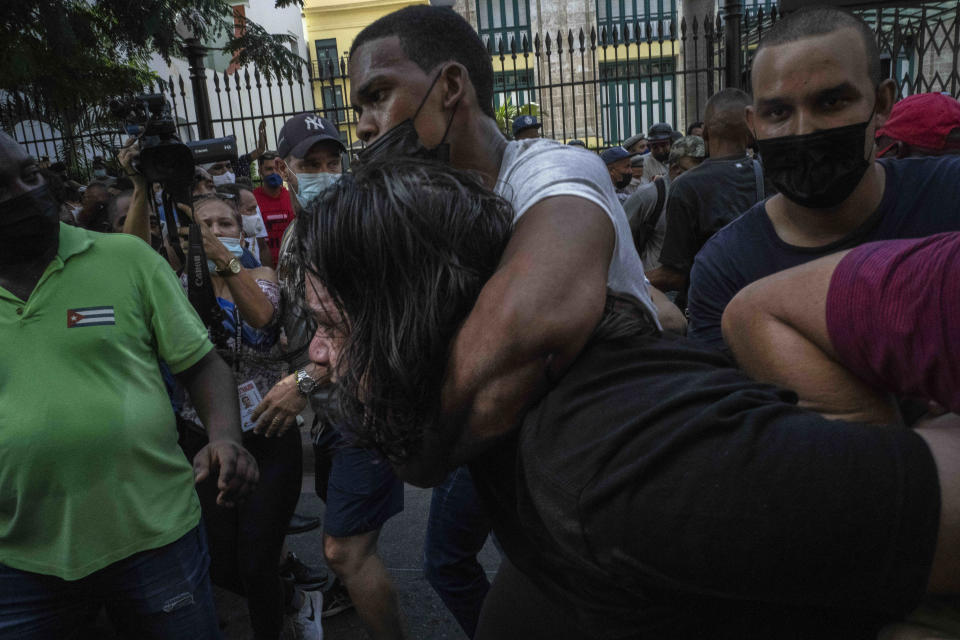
x=688, y=147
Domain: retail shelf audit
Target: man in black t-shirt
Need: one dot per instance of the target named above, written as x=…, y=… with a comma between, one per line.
x=704, y=200
x=817, y=101
x=653, y=490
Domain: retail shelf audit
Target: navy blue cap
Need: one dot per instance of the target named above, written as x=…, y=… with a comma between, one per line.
x=614, y=154
x=525, y=122
x=304, y=130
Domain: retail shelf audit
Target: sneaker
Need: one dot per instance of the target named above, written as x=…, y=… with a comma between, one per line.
x=304, y=576
x=336, y=600
x=306, y=621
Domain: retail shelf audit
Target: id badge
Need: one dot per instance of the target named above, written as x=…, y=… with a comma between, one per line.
x=249, y=400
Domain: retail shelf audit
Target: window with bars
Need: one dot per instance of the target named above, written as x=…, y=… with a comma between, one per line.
x=327, y=55
x=625, y=13
x=635, y=95
x=334, y=108
x=513, y=86
x=504, y=19
x=751, y=6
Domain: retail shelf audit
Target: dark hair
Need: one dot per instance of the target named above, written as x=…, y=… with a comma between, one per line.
x=403, y=250
x=233, y=190
x=693, y=126
x=725, y=116
x=114, y=204
x=266, y=155
x=818, y=21
x=432, y=35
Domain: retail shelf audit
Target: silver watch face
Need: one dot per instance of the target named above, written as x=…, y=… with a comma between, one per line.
x=304, y=382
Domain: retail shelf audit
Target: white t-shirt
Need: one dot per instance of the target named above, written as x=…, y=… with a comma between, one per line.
x=535, y=169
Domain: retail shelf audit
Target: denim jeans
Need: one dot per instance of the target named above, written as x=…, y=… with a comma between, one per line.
x=456, y=532
x=160, y=594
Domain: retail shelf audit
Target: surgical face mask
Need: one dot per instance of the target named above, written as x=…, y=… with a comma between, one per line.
x=100, y=173
x=403, y=141
x=817, y=170
x=312, y=185
x=233, y=245
x=227, y=178
x=29, y=225
x=252, y=224
x=274, y=181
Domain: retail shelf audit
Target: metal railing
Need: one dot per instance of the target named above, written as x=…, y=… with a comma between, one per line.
x=597, y=84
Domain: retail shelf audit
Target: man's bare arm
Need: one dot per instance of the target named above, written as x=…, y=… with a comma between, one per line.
x=667, y=279
x=671, y=318
x=777, y=330
x=530, y=322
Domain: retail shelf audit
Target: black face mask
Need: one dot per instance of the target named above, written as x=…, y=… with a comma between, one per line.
x=29, y=226
x=624, y=181
x=404, y=142
x=817, y=170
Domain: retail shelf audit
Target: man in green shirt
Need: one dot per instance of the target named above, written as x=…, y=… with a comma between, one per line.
x=97, y=504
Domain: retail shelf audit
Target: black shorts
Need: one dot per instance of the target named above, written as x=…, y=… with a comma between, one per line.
x=658, y=492
x=362, y=493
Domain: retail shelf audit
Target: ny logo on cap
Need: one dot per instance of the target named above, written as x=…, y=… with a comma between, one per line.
x=313, y=122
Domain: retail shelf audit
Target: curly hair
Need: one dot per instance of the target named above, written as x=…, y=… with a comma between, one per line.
x=403, y=249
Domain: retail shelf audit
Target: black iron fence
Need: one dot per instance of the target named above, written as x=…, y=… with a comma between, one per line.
x=600, y=85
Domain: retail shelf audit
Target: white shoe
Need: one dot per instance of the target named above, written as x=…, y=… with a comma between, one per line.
x=306, y=621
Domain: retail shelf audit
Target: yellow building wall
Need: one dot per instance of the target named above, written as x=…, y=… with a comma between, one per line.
x=343, y=20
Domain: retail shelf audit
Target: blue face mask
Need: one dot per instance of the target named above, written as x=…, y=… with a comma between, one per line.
x=274, y=180
x=233, y=245
x=313, y=184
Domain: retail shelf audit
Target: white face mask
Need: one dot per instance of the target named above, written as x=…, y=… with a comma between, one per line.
x=311, y=185
x=227, y=178
x=253, y=224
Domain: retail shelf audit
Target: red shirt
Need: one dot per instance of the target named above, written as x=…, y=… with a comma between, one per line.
x=277, y=212
x=892, y=311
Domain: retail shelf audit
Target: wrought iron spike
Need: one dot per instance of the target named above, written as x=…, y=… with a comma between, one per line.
x=246, y=77
x=525, y=44
x=683, y=26
x=580, y=38
x=183, y=91
x=593, y=37
x=559, y=42
x=500, y=49
x=616, y=35
x=256, y=78
x=569, y=39
x=603, y=36
x=536, y=44
x=513, y=47
x=546, y=44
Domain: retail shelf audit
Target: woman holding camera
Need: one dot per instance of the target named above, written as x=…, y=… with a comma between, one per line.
x=246, y=542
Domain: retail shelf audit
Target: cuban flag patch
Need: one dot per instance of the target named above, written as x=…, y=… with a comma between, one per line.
x=90, y=317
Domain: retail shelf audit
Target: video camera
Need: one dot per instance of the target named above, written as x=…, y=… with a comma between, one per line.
x=163, y=157
x=166, y=160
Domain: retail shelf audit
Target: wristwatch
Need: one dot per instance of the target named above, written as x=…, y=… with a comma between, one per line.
x=305, y=383
x=233, y=267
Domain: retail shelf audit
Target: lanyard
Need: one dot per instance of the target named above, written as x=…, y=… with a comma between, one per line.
x=237, y=339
